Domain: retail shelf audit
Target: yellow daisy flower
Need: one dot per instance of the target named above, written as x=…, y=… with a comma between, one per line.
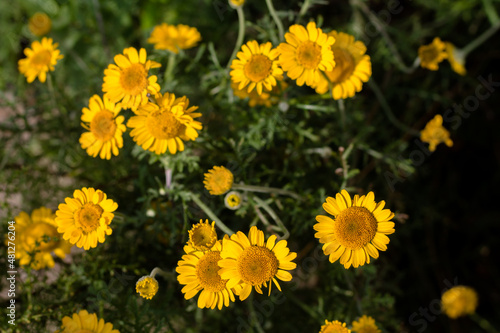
x=147, y=287
x=83, y=322
x=253, y=263
x=164, y=125
x=459, y=301
x=266, y=99
x=84, y=219
x=39, y=24
x=128, y=80
x=334, y=327
x=256, y=67
x=352, y=67
x=434, y=133
x=456, y=58
x=174, y=38
x=37, y=238
x=40, y=58
x=218, y=180
x=198, y=272
x=431, y=55
x=365, y=324
x=105, y=128
x=306, y=53
x=357, y=231
x=202, y=236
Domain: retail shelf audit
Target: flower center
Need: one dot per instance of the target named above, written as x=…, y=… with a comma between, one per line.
x=309, y=55
x=134, y=79
x=164, y=125
x=355, y=227
x=258, y=67
x=202, y=237
x=41, y=58
x=234, y=200
x=429, y=54
x=344, y=66
x=103, y=125
x=257, y=264
x=87, y=218
x=207, y=272
x=36, y=233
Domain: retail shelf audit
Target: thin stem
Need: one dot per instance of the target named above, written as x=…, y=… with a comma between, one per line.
x=485, y=325
x=241, y=34
x=170, y=67
x=491, y=12
x=253, y=315
x=345, y=167
x=480, y=39
x=276, y=19
x=304, y=8
x=275, y=216
x=342, y=112
x=161, y=272
x=168, y=178
x=348, y=278
x=100, y=24
x=211, y=214
x=265, y=189
x=52, y=92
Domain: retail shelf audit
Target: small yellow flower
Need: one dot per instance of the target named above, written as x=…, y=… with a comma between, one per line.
x=40, y=59
x=459, y=301
x=39, y=24
x=365, y=324
x=233, y=200
x=434, y=133
x=83, y=322
x=147, y=287
x=128, y=80
x=202, y=236
x=84, y=219
x=218, y=180
x=334, y=327
x=105, y=128
x=174, y=38
x=307, y=51
x=431, y=55
x=236, y=3
x=37, y=238
x=456, y=58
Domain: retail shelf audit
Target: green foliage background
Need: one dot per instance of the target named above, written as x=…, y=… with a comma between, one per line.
x=447, y=217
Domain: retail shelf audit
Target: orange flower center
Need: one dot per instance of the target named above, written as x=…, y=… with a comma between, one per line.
x=87, y=218
x=257, y=264
x=36, y=233
x=258, y=67
x=164, y=125
x=103, y=125
x=344, y=66
x=207, y=272
x=309, y=54
x=134, y=79
x=355, y=227
x=41, y=58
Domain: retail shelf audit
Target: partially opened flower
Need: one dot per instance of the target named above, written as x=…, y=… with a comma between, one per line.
x=40, y=59
x=306, y=53
x=84, y=219
x=37, y=238
x=352, y=67
x=218, y=180
x=174, y=38
x=358, y=230
x=253, y=263
x=434, y=133
x=105, y=128
x=233, y=200
x=128, y=81
x=459, y=301
x=431, y=55
x=456, y=58
x=202, y=236
x=334, y=327
x=365, y=324
x=147, y=287
x=39, y=24
x=83, y=322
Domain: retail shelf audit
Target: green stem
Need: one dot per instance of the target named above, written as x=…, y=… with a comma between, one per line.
x=491, y=12
x=347, y=275
x=211, y=214
x=253, y=315
x=52, y=92
x=480, y=39
x=304, y=8
x=275, y=216
x=170, y=67
x=483, y=323
x=276, y=19
x=265, y=189
x=241, y=34
x=342, y=112
x=161, y=272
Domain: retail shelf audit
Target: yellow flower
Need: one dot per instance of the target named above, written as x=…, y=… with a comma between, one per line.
x=306, y=53
x=105, y=128
x=456, y=58
x=83, y=322
x=128, y=80
x=37, y=238
x=236, y=3
x=459, y=301
x=202, y=236
x=334, y=327
x=434, y=133
x=41, y=58
x=252, y=263
x=358, y=230
x=84, y=219
x=218, y=180
x=198, y=272
x=266, y=99
x=256, y=67
x=352, y=67
x=174, y=38
x=147, y=287
x=164, y=125
x=233, y=200
x=431, y=55
x=39, y=24
x=365, y=324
